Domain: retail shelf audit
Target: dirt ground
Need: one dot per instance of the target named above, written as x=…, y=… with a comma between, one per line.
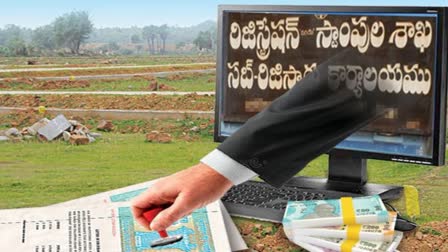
x=432, y=236
x=95, y=60
x=264, y=236
x=151, y=102
x=34, y=84
x=188, y=129
x=104, y=71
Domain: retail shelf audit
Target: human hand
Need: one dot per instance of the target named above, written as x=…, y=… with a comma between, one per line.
x=184, y=191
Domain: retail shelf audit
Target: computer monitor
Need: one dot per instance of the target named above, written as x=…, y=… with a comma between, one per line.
x=263, y=51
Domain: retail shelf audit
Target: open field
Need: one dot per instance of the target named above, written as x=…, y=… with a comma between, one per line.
x=104, y=70
x=58, y=69
x=177, y=82
x=36, y=174
x=76, y=61
x=431, y=181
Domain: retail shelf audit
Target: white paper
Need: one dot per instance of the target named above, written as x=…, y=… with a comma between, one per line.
x=236, y=240
x=56, y=229
x=108, y=228
x=108, y=197
x=125, y=194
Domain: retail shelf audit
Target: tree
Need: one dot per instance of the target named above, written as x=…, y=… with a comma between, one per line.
x=43, y=37
x=213, y=36
x=17, y=47
x=72, y=29
x=135, y=39
x=4, y=51
x=2, y=37
x=204, y=40
x=11, y=32
x=146, y=34
x=163, y=33
x=150, y=35
x=13, y=40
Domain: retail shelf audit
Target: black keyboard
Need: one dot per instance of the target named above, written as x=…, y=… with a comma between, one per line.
x=259, y=200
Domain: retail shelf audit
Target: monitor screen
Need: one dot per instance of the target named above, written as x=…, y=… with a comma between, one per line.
x=265, y=51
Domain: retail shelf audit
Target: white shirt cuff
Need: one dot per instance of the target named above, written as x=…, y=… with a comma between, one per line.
x=229, y=168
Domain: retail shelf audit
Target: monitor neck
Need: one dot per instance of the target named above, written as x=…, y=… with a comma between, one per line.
x=344, y=167
x=347, y=173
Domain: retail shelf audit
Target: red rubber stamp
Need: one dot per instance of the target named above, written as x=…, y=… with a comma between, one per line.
x=164, y=238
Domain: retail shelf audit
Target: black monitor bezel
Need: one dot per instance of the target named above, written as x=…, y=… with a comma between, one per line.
x=438, y=157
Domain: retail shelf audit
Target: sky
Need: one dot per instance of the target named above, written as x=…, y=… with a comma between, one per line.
x=127, y=13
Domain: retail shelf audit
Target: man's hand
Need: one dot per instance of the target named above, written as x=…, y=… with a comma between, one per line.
x=185, y=191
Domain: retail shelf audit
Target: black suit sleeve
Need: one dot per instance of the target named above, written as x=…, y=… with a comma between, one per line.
x=302, y=124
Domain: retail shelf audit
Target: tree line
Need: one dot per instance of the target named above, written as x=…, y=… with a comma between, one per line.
x=68, y=33
x=156, y=37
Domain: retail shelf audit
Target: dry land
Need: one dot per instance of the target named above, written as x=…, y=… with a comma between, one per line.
x=151, y=102
x=78, y=61
x=106, y=70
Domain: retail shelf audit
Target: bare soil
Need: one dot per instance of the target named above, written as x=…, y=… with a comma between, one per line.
x=104, y=71
x=35, y=84
x=430, y=237
x=150, y=102
x=97, y=60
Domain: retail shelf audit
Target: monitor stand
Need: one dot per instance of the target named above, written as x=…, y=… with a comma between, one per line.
x=347, y=173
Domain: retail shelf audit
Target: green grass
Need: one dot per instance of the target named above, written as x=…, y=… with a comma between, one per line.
x=193, y=83
x=188, y=83
x=39, y=174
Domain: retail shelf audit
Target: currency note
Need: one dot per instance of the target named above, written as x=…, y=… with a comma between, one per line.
x=325, y=213
x=314, y=244
x=369, y=232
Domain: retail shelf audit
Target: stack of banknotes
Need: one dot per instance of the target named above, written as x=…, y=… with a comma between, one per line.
x=348, y=224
